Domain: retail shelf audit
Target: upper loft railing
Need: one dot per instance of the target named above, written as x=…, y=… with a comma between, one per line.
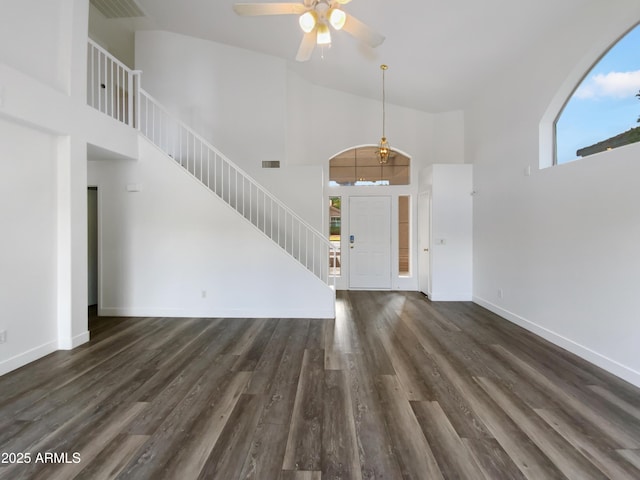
x=111, y=86
x=115, y=90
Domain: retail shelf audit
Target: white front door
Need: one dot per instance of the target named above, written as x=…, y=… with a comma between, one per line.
x=424, y=242
x=369, y=243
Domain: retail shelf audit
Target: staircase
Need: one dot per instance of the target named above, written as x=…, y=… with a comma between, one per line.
x=115, y=90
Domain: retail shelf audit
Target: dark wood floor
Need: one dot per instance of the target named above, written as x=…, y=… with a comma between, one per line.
x=395, y=387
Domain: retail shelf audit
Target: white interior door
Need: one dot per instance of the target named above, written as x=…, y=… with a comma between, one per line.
x=424, y=243
x=369, y=243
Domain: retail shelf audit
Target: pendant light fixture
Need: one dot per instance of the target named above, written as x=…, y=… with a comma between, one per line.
x=383, y=147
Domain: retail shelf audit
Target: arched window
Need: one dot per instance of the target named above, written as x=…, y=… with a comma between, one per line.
x=361, y=166
x=603, y=112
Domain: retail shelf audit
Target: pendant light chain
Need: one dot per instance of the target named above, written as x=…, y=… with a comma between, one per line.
x=384, y=68
x=383, y=147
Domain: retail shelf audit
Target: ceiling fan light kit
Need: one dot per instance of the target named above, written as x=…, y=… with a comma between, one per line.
x=323, y=34
x=315, y=16
x=337, y=18
x=308, y=21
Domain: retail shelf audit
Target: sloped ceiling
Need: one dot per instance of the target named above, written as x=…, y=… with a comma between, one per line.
x=439, y=51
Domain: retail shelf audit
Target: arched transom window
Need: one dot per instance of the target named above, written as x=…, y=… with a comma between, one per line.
x=603, y=112
x=361, y=166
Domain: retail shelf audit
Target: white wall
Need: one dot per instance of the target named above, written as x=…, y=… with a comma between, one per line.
x=43, y=162
x=103, y=132
x=161, y=247
x=252, y=108
x=323, y=122
x=27, y=244
x=31, y=40
x=250, y=96
x=299, y=188
x=448, y=138
x=562, y=243
x=234, y=98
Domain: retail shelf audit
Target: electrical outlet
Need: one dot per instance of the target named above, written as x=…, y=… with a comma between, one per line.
x=204, y=294
x=500, y=293
x=3, y=336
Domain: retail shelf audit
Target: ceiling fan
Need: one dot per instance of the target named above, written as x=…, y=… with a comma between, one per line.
x=315, y=16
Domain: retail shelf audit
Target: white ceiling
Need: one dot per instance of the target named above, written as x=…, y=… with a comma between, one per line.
x=438, y=51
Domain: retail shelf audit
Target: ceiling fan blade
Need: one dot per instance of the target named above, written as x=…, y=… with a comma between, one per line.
x=255, y=9
x=306, y=46
x=362, y=32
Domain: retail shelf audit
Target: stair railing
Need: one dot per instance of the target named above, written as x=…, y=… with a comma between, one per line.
x=235, y=187
x=115, y=89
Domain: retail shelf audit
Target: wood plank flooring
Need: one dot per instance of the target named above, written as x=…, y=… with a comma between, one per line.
x=395, y=387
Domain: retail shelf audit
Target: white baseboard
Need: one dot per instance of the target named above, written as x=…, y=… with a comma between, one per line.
x=222, y=313
x=450, y=297
x=29, y=356
x=586, y=353
x=71, y=343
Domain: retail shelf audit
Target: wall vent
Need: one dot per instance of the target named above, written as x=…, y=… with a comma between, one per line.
x=271, y=164
x=118, y=8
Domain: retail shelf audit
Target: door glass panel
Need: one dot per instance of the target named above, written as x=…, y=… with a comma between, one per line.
x=335, y=232
x=403, y=235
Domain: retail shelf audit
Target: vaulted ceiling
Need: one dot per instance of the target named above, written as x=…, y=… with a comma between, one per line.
x=439, y=52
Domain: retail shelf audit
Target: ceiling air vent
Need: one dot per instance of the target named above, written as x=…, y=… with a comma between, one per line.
x=118, y=8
